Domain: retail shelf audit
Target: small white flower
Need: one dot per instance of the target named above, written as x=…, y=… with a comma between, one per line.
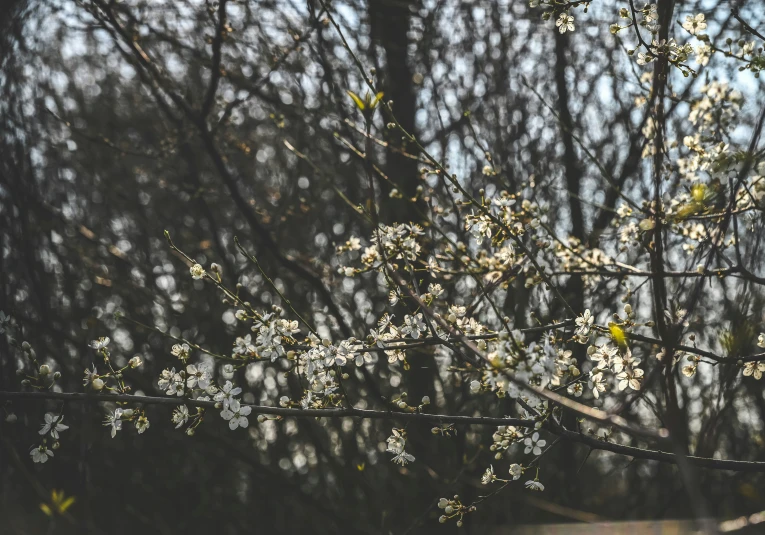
x=114, y=420
x=598, y=384
x=172, y=382
x=651, y=13
x=396, y=445
x=236, y=414
x=575, y=389
x=100, y=343
x=142, y=424
x=180, y=416
x=644, y=58
x=181, y=351
x=695, y=24
x=534, y=445
x=41, y=454
x=516, y=471
x=403, y=458
x=200, y=376
x=53, y=424
x=488, y=476
x=135, y=362
x=227, y=393
x=754, y=369
x=90, y=375
x=761, y=340
x=354, y=244
x=436, y=290
x=535, y=485
x=630, y=377
x=197, y=272
x=584, y=323
x=565, y=23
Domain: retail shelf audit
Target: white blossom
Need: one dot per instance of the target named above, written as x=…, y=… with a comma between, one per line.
x=236, y=414
x=142, y=424
x=53, y=424
x=534, y=445
x=565, y=23
x=197, y=272
x=515, y=471
x=180, y=415
x=396, y=445
x=41, y=454
x=227, y=393
x=535, y=485
x=695, y=24
x=100, y=343
x=114, y=420
x=200, y=376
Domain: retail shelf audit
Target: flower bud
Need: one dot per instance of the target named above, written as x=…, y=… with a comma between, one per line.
x=262, y=418
x=56, y=376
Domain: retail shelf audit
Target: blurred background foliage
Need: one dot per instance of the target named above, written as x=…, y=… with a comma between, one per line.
x=101, y=151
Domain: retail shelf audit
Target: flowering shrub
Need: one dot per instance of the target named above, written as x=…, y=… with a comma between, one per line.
x=446, y=279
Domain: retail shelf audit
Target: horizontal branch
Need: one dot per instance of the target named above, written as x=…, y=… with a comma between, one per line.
x=661, y=456
x=629, y=271
x=697, y=351
x=274, y=411
x=572, y=436
x=412, y=343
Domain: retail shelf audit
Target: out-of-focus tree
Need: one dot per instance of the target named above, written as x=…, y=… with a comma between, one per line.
x=557, y=158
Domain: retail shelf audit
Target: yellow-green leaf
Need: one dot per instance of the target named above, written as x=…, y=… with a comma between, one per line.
x=376, y=100
x=618, y=335
x=356, y=99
